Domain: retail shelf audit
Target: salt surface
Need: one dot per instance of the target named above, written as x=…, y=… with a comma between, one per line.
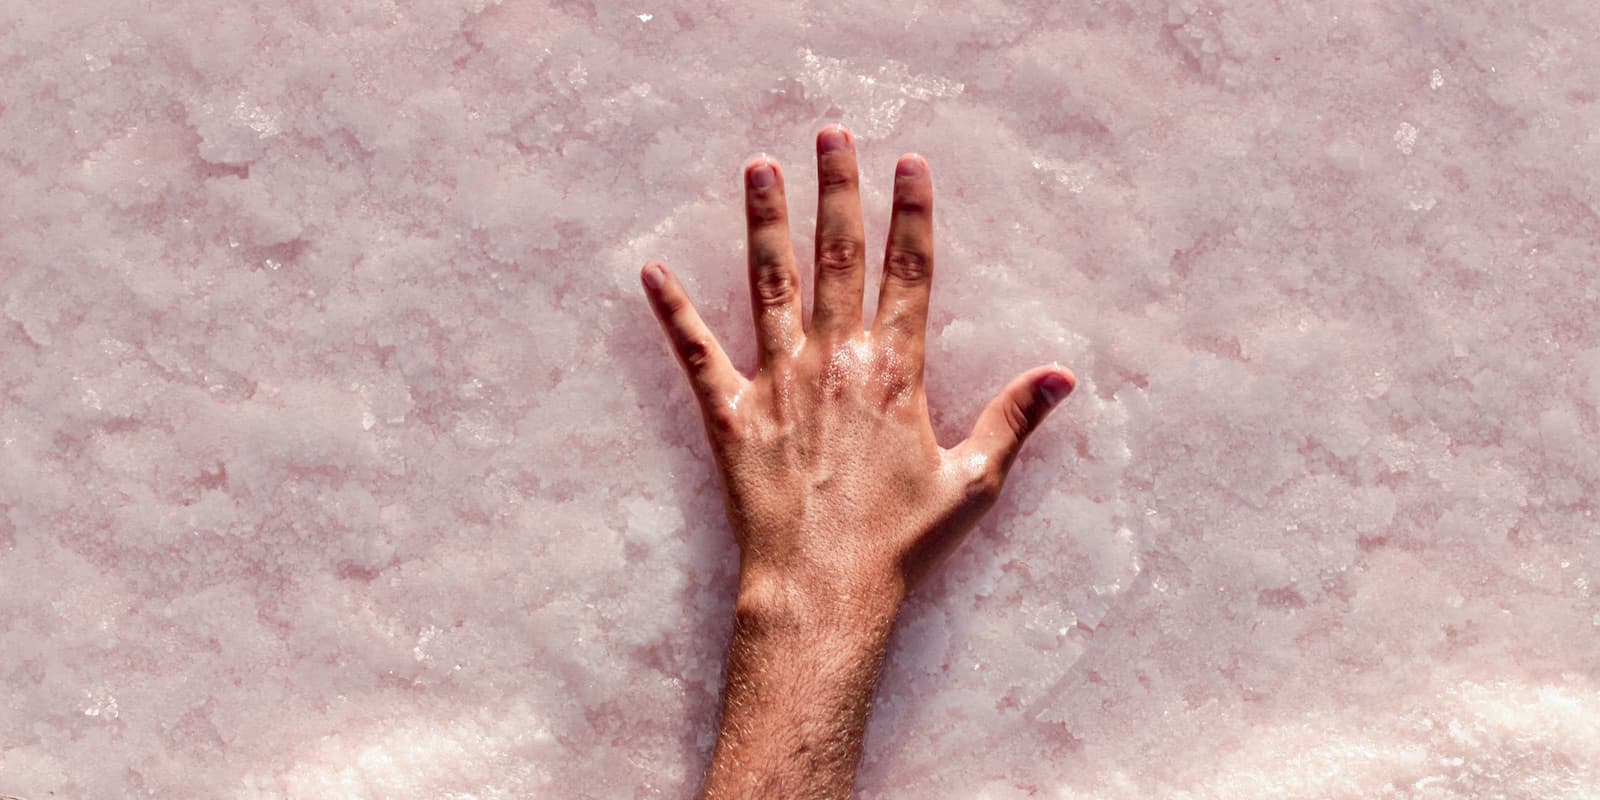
x=340, y=456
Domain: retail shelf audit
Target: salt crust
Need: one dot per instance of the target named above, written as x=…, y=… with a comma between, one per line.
x=339, y=456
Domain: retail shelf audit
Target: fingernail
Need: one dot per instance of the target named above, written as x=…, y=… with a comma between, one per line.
x=832, y=139
x=654, y=276
x=762, y=176
x=910, y=166
x=1054, y=388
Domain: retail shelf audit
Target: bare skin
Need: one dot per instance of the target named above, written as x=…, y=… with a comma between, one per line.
x=840, y=497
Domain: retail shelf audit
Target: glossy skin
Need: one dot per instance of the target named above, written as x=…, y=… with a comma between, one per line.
x=840, y=497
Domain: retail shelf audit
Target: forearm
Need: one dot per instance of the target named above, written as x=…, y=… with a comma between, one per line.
x=799, y=686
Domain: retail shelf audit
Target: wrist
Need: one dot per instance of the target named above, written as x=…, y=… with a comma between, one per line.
x=777, y=603
x=803, y=667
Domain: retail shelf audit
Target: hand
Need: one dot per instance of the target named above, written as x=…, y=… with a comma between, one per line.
x=840, y=497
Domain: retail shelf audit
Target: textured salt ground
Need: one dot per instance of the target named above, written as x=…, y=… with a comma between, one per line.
x=339, y=455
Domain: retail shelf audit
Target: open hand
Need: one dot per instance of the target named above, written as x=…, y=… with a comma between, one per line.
x=840, y=497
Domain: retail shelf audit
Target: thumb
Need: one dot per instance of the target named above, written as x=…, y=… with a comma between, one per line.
x=1017, y=410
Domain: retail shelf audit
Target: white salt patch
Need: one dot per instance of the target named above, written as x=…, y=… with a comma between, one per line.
x=1405, y=138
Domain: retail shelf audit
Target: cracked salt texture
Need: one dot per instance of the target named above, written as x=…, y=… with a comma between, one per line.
x=340, y=457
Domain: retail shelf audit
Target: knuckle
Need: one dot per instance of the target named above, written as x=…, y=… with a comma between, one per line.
x=897, y=388
x=1016, y=418
x=909, y=266
x=985, y=486
x=836, y=180
x=774, y=285
x=673, y=304
x=911, y=205
x=765, y=215
x=839, y=254
x=721, y=421
x=695, y=352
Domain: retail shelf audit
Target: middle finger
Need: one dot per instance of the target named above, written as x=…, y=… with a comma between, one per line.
x=841, y=259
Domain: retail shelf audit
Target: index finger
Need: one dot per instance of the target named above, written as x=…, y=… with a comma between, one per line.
x=902, y=317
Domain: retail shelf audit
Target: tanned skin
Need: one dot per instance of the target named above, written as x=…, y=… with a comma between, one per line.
x=840, y=497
